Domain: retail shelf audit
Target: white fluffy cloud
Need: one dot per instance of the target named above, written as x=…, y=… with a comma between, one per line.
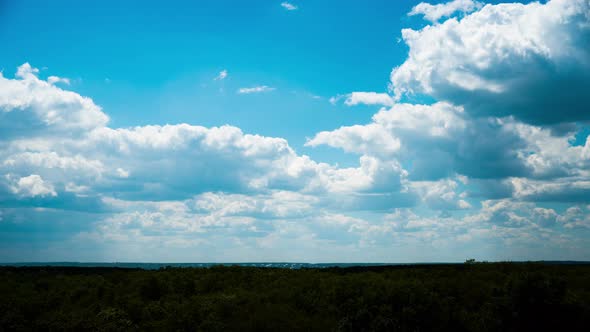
x=57, y=79
x=441, y=195
x=383, y=136
x=369, y=139
x=29, y=105
x=550, y=155
x=557, y=190
x=514, y=214
x=434, y=13
x=31, y=186
x=438, y=140
x=369, y=98
x=434, y=142
x=526, y=60
x=157, y=162
x=576, y=217
x=179, y=186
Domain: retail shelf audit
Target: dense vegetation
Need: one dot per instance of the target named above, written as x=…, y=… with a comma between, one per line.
x=462, y=297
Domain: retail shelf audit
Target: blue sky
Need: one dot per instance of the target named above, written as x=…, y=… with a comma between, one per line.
x=312, y=131
x=155, y=55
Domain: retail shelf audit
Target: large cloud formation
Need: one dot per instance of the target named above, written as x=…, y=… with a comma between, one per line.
x=68, y=143
x=531, y=61
x=497, y=167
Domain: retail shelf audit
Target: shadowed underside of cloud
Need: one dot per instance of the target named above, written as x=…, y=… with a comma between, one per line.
x=491, y=165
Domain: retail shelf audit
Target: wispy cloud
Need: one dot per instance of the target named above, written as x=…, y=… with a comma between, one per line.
x=289, y=6
x=222, y=75
x=255, y=89
x=335, y=99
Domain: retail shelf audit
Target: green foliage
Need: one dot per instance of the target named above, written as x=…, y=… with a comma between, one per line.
x=461, y=297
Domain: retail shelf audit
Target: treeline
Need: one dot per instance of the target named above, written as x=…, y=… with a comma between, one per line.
x=462, y=297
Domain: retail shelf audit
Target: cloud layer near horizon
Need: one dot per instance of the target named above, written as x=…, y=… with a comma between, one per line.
x=495, y=167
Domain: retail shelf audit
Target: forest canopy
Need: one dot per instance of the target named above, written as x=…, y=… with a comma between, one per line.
x=458, y=297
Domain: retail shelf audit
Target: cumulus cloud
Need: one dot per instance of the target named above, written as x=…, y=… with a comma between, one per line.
x=56, y=79
x=441, y=195
x=553, y=156
x=576, y=217
x=440, y=132
x=66, y=172
x=277, y=204
x=369, y=98
x=171, y=161
x=176, y=185
x=369, y=139
x=373, y=175
x=382, y=136
x=255, y=89
x=509, y=213
x=52, y=160
x=434, y=13
x=530, y=61
x=498, y=224
x=256, y=220
x=32, y=186
x=556, y=190
x=29, y=106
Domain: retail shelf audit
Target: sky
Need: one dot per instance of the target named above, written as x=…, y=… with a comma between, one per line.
x=301, y=131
